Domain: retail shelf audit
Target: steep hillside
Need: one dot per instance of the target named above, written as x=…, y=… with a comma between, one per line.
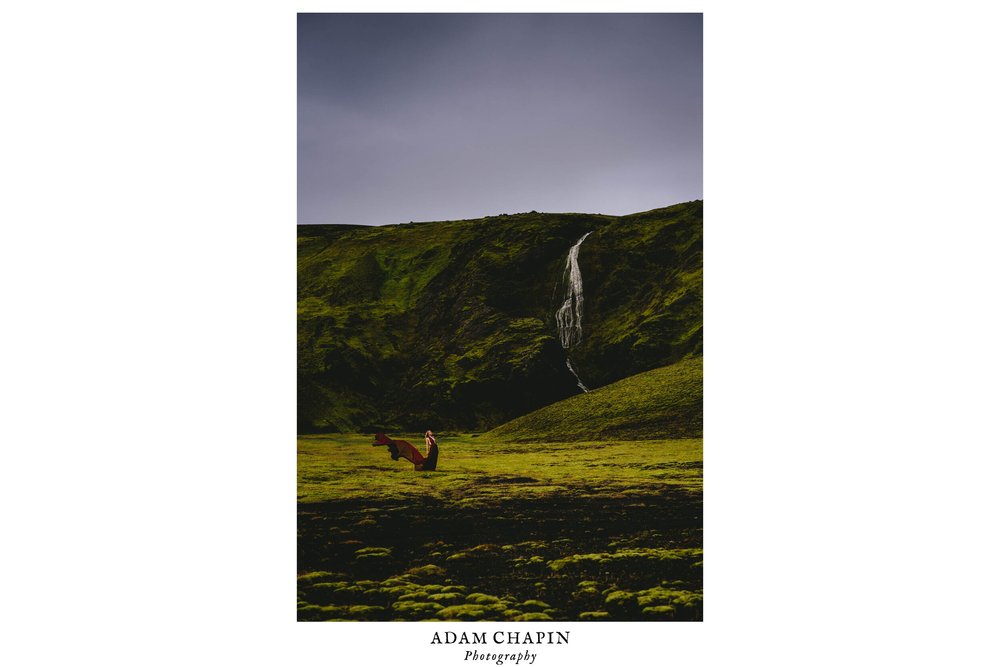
x=451, y=324
x=661, y=403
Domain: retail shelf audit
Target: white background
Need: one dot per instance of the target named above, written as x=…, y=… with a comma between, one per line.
x=147, y=270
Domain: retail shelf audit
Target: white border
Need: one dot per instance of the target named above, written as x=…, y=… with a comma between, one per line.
x=148, y=164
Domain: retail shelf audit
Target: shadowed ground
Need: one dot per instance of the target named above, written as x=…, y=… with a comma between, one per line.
x=560, y=531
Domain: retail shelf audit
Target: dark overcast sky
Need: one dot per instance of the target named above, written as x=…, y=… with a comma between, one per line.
x=444, y=116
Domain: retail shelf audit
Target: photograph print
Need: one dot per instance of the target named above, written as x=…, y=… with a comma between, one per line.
x=499, y=317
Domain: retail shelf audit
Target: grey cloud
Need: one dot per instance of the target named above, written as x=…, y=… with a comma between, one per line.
x=430, y=116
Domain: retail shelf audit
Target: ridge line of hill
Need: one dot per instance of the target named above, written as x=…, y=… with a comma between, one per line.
x=608, y=216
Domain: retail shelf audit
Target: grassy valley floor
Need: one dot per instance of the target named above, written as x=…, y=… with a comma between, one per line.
x=606, y=530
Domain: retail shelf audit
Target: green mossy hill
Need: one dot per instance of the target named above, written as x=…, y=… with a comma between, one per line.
x=450, y=325
x=662, y=403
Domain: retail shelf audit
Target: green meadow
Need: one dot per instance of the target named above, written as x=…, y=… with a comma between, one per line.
x=608, y=529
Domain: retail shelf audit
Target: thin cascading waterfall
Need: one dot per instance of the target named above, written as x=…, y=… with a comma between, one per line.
x=569, y=316
x=579, y=382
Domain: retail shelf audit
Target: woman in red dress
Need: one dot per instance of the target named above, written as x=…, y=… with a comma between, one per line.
x=431, y=457
x=402, y=449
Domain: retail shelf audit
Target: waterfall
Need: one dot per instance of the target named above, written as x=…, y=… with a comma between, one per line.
x=569, y=317
x=579, y=382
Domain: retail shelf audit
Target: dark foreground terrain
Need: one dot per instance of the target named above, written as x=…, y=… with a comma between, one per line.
x=571, y=531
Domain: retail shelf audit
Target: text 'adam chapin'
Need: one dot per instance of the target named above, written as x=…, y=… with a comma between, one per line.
x=501, y=637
